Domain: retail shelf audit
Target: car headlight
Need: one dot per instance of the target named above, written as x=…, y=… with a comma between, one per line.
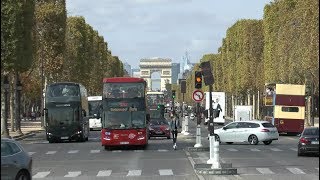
x=151, y=129
x=167, y=129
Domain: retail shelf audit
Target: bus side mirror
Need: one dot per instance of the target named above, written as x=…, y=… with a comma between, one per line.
x=148, y=117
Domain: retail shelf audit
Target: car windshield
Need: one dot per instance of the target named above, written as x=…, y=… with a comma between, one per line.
x=312, y=132
x=158, y=122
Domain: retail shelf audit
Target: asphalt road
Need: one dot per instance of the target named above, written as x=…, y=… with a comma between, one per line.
x=89, y=160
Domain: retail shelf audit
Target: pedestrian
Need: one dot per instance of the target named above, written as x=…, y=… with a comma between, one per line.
x=174, y=129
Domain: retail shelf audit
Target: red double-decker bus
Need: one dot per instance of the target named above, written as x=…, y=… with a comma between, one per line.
x=284, y=107
x=123, y=115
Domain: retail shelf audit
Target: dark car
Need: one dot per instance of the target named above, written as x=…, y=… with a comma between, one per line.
x=16, y=163
x=159, y=127
x=309, y=141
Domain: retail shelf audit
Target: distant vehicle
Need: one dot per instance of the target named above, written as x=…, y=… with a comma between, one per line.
x=95, y=103
x=154, y=98
x=16, y=163
x=247, y=131
x=309, y=141
x=66, y=107
x=124, y=116
x=159, y=127
x=284, y=107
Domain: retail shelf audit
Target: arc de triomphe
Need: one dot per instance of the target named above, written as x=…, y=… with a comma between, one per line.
x=148, y=66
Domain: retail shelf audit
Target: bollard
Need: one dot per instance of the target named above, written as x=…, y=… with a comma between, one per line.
x=211, y=160
x=183, y=128
x=186, y=124
x=215, y=164
x=198, y=137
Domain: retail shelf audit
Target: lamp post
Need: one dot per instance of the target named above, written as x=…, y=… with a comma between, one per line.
x=18, y=104
x=4, y=123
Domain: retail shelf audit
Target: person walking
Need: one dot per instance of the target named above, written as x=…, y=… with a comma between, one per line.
x=174, y=130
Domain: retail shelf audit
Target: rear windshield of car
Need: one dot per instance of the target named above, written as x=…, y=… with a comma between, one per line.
x=267, y=125
x=313, y=131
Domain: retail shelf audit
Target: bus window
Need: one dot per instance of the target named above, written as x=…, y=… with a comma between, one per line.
x=290, y=109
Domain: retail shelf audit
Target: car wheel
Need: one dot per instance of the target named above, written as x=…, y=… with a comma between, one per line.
x=168, y=137
x=267, y=142
x=253, y=139
x=300, y=153
x=23, y=175
x=91, y=129
x=81, y=138
x=229, y=142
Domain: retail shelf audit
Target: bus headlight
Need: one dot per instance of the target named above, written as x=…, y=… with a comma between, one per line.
x=79, y=132
x=107, y=133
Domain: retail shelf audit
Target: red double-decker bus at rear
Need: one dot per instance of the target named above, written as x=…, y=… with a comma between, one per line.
x=123, y=115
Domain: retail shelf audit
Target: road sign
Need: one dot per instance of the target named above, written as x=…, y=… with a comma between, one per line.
x=197, y=95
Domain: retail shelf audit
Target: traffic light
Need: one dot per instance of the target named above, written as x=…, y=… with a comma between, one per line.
x=207, y=73
x=173, y=94
x=198, y=80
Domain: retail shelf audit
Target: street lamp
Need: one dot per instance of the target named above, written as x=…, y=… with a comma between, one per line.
x=18, y=114
x=4, y=123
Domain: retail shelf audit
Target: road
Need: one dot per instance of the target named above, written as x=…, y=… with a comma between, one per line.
x=89, y=160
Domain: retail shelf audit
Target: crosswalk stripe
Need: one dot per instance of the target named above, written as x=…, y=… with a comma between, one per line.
x=51, y=152
x=134, y=173
x=104, y=173
x=265, y=171
x=296, y=170
x=294, y=149
x=231, y=149
x=73, y=174
x=95, y=151
x=41, y=174
x=30, y=153
x=165, y=172
x=317, y=169
x=138, y=150
x=73, y=151
x=116, y=151
x=162, y=150
x=275, y=149
x=254, y=149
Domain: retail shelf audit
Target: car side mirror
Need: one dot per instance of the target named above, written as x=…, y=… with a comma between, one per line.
x=224, y=128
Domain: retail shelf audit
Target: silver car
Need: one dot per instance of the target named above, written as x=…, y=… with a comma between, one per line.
x=16, y=163
x=247, y=131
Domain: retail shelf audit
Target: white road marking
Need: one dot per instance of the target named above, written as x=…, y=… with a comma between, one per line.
x=254, y=149
x=275, y=149
x=294, y=149
x=73, y=151
x=95, y=151
x=41, y=174
x=30, y=153
x=104, y=173
x=265, y=171
x=138, y=150
x=51, y=152
x=296, y=170
x=162, y=150
x=165, y=172
x=231, y=149
x=73, y=174
x=134, y=173
x=117, y=151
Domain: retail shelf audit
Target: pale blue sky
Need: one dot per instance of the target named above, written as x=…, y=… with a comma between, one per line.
x=136, y=29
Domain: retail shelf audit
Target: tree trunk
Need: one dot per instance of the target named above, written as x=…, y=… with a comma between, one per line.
x=12, y=100
x=233, y=104
x=253, y=106
x=258, y=109
x=17, y=105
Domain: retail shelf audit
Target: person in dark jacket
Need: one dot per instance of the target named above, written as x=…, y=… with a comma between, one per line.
x=174, y=124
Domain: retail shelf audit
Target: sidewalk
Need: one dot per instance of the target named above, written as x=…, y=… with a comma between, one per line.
x=28, y=128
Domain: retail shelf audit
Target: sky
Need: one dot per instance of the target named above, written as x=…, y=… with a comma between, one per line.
x=136, y=29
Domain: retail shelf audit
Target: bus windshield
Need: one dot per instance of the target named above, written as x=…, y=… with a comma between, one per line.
x=59, y=90
x=125, y=120
x=65, y=115
x=123, y=90
x=94, y=107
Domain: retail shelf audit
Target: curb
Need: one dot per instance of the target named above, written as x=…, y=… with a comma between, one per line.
x=226, y=169
x=199, y=149
x=26, y=135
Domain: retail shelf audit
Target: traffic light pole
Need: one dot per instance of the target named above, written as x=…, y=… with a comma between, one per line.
x=198, y=135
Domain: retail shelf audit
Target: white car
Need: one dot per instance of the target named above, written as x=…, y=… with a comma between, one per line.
x=247, y=131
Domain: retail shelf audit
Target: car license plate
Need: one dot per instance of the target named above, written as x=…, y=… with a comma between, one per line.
x=124, y=142
x=314, y=142
x=65, y=137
